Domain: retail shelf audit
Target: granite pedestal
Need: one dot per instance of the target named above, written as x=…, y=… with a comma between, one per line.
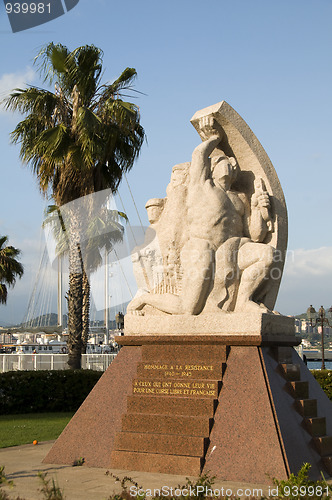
x=241, y=408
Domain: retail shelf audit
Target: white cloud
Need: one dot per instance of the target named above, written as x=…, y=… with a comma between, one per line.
x=315, y=262
x=307, y=280
x=10, y=81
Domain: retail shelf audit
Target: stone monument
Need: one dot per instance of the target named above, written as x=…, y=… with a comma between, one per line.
x=222, y=239
x=207, y=378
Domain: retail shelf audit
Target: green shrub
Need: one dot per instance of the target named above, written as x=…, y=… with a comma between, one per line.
x=50, y=489
x=297, y=486
x=45, y=390
x=324, y=378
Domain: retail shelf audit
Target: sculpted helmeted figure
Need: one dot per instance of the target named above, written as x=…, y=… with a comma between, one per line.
x=147, y=259
x=156, y=263
x=216, y=244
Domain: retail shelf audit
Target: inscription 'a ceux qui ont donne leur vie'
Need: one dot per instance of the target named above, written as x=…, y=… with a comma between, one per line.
x=178, y=379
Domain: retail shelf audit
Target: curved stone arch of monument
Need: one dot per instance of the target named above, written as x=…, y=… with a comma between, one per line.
x=239, y=141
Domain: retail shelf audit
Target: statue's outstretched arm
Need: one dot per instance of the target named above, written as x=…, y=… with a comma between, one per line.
x=212, y=134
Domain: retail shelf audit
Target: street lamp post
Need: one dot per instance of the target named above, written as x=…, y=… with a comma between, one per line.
x=321, y=319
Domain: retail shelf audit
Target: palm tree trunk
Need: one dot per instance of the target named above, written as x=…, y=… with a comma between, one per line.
x=85, y=310
x=74, y=341
x=75, y=299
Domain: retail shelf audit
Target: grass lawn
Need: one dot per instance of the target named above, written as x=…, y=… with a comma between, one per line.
x=24, y=429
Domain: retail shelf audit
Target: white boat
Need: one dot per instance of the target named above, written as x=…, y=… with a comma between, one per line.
x=53, y=347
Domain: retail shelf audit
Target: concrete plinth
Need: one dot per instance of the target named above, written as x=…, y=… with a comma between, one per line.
x=219, y=323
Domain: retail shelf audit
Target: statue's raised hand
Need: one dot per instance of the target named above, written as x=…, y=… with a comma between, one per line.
x=260, y=200
x=209, y=127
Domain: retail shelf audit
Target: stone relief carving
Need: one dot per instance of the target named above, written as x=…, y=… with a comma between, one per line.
x=147, y=259
x=215, y=236
x=156, y=263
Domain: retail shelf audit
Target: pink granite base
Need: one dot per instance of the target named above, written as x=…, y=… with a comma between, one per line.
x=254, y=429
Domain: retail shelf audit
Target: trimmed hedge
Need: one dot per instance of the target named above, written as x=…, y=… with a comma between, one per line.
x=324, y=378
x=45, y=390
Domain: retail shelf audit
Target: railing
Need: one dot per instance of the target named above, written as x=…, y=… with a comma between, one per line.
x=99, y=362
x=14, y=362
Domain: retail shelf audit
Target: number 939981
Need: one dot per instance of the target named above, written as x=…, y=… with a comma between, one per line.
x=28, y=8
x=305, y=491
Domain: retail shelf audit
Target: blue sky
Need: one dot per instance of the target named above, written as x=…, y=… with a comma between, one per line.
x=270, y=60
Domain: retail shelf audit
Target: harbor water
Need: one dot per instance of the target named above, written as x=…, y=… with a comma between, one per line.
x=317, y=365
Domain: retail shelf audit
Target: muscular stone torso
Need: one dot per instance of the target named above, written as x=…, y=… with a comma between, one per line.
x=214, y=214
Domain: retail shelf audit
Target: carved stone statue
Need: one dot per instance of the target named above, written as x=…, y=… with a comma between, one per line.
x=221, y=231
x=222, y=226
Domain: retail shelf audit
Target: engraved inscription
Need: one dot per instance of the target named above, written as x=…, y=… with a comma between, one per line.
x=174, y=370
x=175, y=388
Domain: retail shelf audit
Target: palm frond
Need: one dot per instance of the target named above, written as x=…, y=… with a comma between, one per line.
x=3, y=293
x=10, y=268
x=50, y=60
x=32, y=99
x=123, y=81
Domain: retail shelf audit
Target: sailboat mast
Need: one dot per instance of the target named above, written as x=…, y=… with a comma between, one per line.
x=106, y=298
x=59, y=291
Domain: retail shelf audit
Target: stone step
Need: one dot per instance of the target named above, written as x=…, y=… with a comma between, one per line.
x=167, y=424
x=184, y=355
x=171, y=406
x=316, y=426
x=324, y=445
x=299, y=389
x=192, y=446
x=178, y=388
x=283, y=354
x=152, y=462
x=327, y=461
x=291, y=372
x=185, y=371
x=307, y=407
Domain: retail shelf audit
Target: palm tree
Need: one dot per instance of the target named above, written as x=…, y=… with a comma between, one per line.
x=10, y=268
x=79, y=139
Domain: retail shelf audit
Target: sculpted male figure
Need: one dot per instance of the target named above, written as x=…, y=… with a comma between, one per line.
x=219, y=221
x=147, y=259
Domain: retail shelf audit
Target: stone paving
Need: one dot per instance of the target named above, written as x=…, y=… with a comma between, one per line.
x=22, y=464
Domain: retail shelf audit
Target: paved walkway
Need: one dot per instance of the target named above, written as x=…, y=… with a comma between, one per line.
x=22, y=464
